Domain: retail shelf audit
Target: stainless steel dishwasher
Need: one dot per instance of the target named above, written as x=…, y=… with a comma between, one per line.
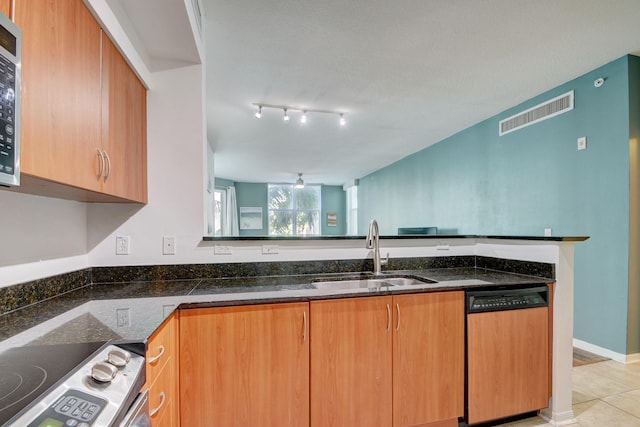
x=507, y=352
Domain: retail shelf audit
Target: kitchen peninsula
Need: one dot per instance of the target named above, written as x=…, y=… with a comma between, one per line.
x=150, y=294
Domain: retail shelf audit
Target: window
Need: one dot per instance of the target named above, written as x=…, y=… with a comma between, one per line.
x=352, y=210
x=219, y=211
x=294, y=211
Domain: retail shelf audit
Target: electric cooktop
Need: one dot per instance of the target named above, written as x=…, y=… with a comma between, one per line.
x=27, y=372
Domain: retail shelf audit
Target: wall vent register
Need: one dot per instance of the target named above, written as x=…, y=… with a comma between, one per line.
x=10, y=80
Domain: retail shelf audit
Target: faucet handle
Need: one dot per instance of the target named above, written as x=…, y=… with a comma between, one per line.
x=385, y=261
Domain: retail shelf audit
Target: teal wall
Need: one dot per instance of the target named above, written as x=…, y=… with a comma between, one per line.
x=334, y=199
x=221, y=182
x=633, y=322
x=476, y=182
x=250, y=194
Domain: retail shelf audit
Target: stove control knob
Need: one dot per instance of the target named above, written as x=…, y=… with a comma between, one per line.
x=103, y=372
x=119, y=357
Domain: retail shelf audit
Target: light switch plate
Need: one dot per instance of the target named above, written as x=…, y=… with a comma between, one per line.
x=582, y=143
x=168, y=245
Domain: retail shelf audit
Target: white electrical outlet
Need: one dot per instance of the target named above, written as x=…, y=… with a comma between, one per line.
x=123, y=317
x=122, y=245
x=442, y=247
x=547, y=232
x=270, y=249
x=222, y=250
x=168, y=245
x=582, y=143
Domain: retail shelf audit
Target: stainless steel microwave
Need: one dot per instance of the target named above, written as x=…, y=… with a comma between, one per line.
x=10, y=84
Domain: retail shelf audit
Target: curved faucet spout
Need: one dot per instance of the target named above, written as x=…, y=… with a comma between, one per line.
x=373, y=242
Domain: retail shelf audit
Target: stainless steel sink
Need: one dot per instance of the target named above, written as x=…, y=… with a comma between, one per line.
x=369, y=283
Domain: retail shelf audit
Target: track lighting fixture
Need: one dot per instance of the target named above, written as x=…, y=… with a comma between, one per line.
x=303, y=118
x=300, y=182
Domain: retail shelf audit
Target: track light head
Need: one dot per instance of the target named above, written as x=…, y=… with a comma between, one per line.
x=259, y=112
x=343, y=121
x=303, y=119
x=286, y=116
x=300, y=182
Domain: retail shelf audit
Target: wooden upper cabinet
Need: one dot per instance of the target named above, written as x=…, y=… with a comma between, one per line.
x=61, y=110
x=245, y=366
x=83, y=118
x=351, y=362
x=428, y=358
x=124, y=118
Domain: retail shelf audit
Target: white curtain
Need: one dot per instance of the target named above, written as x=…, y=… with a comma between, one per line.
x=231, y=225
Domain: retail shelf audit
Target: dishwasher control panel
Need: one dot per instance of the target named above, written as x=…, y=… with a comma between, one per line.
x=479, y=301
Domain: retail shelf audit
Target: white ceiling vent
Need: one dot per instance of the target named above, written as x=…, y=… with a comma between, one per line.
x=546, y=110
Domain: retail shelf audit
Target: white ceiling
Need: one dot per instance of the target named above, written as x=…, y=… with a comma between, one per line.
x=408, y=73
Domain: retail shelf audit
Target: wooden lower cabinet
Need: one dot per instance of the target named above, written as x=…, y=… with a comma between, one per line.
x=351, y=362
x=245, y=365
x=428, y=359
x=162, y=374
x=5, y=8
x=382, y=361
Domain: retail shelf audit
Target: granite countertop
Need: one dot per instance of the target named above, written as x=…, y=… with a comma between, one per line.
x=91, y=312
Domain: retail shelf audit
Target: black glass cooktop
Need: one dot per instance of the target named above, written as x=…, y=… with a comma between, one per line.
x=27, y=372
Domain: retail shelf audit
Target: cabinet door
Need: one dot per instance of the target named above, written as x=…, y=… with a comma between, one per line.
x=60, y=91
x=508, y=358
x=245, y=366
x=5, y=7
x=428, y=358
x=124, y=118
x=351, y=362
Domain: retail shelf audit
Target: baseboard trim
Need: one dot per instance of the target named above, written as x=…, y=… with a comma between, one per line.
x=558, y=419
x=605, y=352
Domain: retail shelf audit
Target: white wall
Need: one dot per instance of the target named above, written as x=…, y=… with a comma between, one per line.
x=176, y=153
x=41, y=236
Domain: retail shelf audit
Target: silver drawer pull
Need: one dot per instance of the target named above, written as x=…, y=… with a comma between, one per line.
x=398, y=309
x=155, y=358
x=388, y=318
x=155, y=410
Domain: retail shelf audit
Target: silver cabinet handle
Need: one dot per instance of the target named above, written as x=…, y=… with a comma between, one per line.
x=155, y=358
x=304, y=334
x=398, y=310
x=388, y=317
x=101, y=163
x=155, y=410
x=108, y=172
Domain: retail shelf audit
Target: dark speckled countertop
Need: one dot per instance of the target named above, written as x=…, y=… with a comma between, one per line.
x=90, y=313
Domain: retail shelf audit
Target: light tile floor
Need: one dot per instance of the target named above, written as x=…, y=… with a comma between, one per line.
x=605, y=394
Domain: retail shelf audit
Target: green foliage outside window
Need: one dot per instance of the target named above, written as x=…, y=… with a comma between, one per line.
x=294, y=211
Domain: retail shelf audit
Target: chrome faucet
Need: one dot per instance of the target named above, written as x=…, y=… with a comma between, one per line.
x=373, y=242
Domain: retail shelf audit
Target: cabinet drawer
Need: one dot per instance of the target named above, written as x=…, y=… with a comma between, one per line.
x=161, y=348
x=163, y=395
